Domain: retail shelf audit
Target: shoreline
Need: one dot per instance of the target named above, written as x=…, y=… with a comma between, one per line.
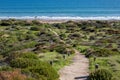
x=63, y=21
x=46, y=19
x=62, y=17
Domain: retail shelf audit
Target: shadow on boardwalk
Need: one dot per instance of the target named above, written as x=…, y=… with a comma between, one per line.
x=81, y=77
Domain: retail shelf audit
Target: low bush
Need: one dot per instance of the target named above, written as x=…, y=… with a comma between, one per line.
x=5, y=22
x=15, y=55
x=36, y=22
x=36, y=28
x=59, y=26
x=6, y=68
x=100, y=74
x=63, y=49
x=42, y=69
x=32, y=66
x=29, y=55
x=12, y=75
x=104, y=52
x=23, y=62
x=99, y=52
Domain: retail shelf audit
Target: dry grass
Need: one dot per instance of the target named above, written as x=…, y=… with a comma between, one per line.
x=12, y=75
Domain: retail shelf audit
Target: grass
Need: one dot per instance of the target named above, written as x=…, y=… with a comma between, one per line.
x=114, y=61
x=63, y=62
x=22, y=38
x=102, y=61
x=82, y=49
x=111, y=63
x=58, y=60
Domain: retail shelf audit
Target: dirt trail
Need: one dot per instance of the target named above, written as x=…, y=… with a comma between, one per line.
x=78, y=70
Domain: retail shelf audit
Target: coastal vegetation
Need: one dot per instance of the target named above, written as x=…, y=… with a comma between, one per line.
x=31, y=50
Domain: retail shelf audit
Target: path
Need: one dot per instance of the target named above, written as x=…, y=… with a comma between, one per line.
x=78, y=70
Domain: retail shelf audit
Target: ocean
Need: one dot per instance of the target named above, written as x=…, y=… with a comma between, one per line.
x=60, y=9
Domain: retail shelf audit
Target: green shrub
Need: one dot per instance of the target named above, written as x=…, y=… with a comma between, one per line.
x=5, y=22
x=103, y=52
x=32, y=66
x=29, y=55
x=100, y=52
x=36, y=22
x=16, y=55
x=45, y=70
x=6, y=68
x=115, y=78
x=30, y=44
x=100, y=74
x=42, y=69
x=30, y=36
x=35, y=28
x=61, y=49
x=23, y=62
x=34, y=76
x=59, y=26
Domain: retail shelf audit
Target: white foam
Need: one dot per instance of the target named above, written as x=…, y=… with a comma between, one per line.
x=63, y=18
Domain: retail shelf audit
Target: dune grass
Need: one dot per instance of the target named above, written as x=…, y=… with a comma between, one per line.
x=82, y=49
x=111, y=63
x=57, y=59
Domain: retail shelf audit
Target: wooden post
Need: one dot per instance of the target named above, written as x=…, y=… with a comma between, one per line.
x=94, y=58
x=96, y=66
x=68, y=53
x=64, y=57
x=51, y=62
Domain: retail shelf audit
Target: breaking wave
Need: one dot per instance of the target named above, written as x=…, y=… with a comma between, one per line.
x=63, y=17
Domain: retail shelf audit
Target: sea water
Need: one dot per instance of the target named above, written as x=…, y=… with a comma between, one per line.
x=60, y=9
